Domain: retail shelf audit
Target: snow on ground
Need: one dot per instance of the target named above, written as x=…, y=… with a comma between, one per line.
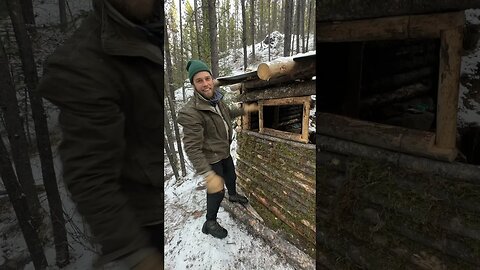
x=188, y=248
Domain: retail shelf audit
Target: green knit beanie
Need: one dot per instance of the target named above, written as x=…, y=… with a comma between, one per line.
x=195, y=66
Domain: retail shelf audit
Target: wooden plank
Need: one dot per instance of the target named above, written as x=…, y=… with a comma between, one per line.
x=401, y=27
x=306, y=117
x=334, y=10
x=454, y=170
x=285, y=135
x=306, y=88
x=363, y=30
x=285, y=101
x=431, y=25
x=416, y=142
x=260, y=117
x=448, y=87
x=280, y=140
x=246, y=118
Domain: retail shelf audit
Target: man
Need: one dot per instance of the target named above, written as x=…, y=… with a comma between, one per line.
x=107, y=80
x=207, y=129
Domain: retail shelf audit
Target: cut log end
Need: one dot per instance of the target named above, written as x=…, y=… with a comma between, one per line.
x=263, y=72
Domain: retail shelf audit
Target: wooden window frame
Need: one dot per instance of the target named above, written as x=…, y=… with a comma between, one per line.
x=447, y=27
x=304, y=101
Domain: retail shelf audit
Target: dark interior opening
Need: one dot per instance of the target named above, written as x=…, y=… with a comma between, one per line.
x=254, y=121
x=286, y=118
x=390, y=82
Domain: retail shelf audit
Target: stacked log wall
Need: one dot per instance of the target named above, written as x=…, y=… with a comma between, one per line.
x=278, y=176
x=374, y=214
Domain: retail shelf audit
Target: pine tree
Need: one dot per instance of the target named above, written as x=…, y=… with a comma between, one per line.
x=252, y=26
x=42, y=134
x=212, y=25
x=288, y=27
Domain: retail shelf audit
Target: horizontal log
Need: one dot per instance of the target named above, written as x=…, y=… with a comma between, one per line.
x=401, y=94
x=332, y=10
x=448, y=246
x=299, y=185
x=293, y=201
x=285, y=101
x=304, y=169
x=285, y=66
x=284, y=135
x=452, y=225
x=280, y=91
x=229, y=80
x=282, y=217
x=397, y=27
x=451, y=170
x=401, y=79
x=295, y=148
x=400, y=139
x=299, y=197
x=295, y=256
x=295, y=217
x=331, y=160
x=394, y=244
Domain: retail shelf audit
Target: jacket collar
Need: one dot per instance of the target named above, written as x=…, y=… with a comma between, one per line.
x=119, y=36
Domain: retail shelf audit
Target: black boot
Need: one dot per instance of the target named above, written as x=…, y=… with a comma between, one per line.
x=212, y=227
x=238, y=198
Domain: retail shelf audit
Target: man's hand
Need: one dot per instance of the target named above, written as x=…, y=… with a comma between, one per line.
x=251, y=107
x=151, y=262
x=214, y=182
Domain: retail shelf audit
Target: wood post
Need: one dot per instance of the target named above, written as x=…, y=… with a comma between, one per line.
x=448, y=87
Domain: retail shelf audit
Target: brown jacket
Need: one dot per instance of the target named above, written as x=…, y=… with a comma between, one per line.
x=107, y=80
x=204, y=134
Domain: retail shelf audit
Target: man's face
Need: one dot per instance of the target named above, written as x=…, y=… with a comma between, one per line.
x=203, y=84
x=138, y=10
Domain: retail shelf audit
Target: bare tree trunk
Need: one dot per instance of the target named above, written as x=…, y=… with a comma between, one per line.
x=171, y=158
x=298, y=10
x=16, y=136
x=22, y=211
x=302, y=24
x=261, y=22
x=252, y=27
x=177, y=134
x=288, y=27
x=212, y=23
x=27, y=122
x=63, y=14
x=169, y=93
x=169, y=135
x=269, y=27
x=197, y=29
x=244, y=35
x=273, y=14
x=27, y=12
x=310, y=5
x=181, y=49
x=42, y=135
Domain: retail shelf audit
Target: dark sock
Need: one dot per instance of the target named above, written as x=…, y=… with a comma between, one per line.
x=213, y=204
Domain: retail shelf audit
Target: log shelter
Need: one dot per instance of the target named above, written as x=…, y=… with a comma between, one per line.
x=390, y=193
x=276, y=149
